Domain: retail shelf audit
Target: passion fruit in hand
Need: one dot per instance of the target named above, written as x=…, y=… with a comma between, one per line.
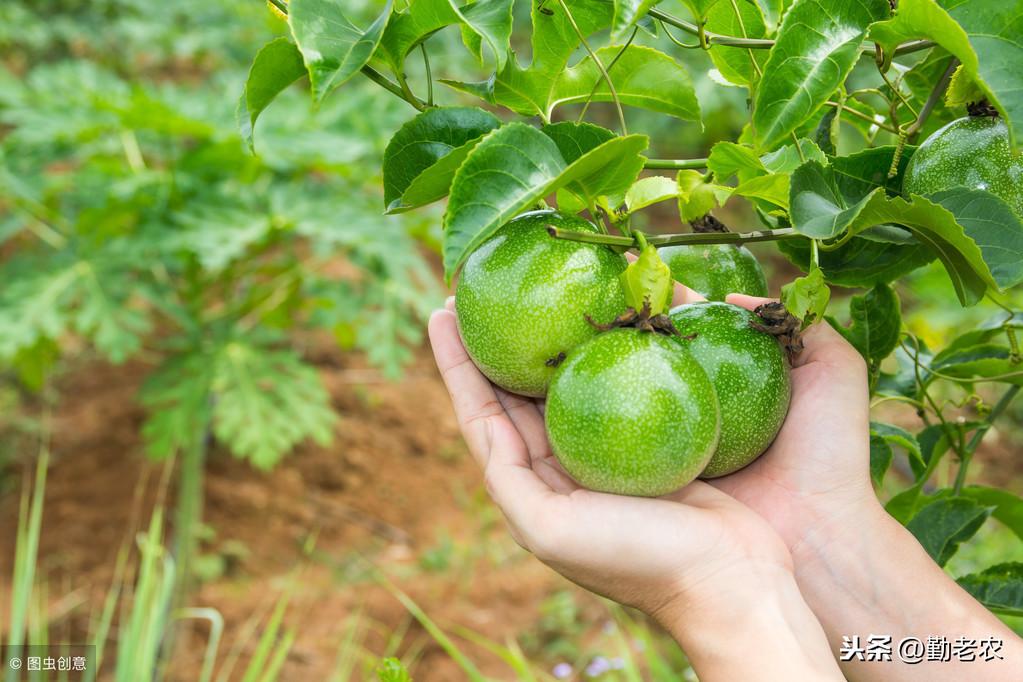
x=632, y=412
x=971, y=152
x=749, y=372
x=523, y=299
x=716, y=270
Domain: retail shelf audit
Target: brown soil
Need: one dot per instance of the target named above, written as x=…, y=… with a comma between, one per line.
x=394, y=482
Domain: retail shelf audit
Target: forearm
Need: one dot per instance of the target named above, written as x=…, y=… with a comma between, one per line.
x=870, y=577
x=759, y=629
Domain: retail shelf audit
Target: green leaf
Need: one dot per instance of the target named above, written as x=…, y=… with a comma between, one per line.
x=860, y=262
x=408, y=29
x=514, y=167
x=942, y=525
x=648, y=191
x=491, y=20
x=736, y=64
x=807, y=297
x=696, y=198
x=391, y=670
x=647, y=281
x=819, y=210
x=989, y=361
x=880, y=458
x=876, y=323
x=993, y=225
x=897, y=436
x=277, y=65
x=999, y=588
x=983, y=34
x=422, y=143
x=1008, y=506
x=728, y=158
x=333, y=48
x=817, y=45
x=627, y=13
x=857, y=175
x=773, y=189
x=643, y=77
x=576, y=139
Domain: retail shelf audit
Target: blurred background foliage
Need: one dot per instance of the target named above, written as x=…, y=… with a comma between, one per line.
x=136, y=227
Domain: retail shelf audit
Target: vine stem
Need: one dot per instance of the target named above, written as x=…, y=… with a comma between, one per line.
x=861, y=115
x=763, y=43
x=675, y=164
x=932, y=100
x=686, y=238
x=600, y=66
x=978, y=435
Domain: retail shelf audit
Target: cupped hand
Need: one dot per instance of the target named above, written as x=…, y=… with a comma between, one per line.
x=815, y=476
x=662, y=555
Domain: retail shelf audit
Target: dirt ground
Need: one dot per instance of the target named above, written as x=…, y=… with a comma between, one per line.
x=396, y=481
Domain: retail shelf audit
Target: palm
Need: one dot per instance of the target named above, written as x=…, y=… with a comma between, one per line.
x=810, y=462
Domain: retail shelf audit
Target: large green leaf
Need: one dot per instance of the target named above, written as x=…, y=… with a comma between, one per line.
x=860, y=262
x=738, y=65
x=876, y=323
x=333, y=48
x=943, y=524
x=491, y=20
x=817, y=45
x=999, y=588
x=819, y=210
x=881, y=456
x=985, y=35
x=989, y=361
x=485, y=20
x=642, y=76
x=857, y=175
x=1008, y=506
x=424, y=142
x=514, y=167
x=277, y=65
x=995, y=227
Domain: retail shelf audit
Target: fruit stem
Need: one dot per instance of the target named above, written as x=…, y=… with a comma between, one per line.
x=686, y=238
x=675, y=164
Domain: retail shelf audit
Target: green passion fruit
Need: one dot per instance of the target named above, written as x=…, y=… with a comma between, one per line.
x=969, y=152
x=749, y=372
x=633, y=413
x=523, y=297
x=716, y=270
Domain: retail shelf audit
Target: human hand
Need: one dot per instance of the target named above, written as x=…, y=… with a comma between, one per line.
x=696, y=560
x=815, y=476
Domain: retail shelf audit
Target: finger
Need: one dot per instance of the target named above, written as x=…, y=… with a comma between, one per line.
x=449, y=303
x=471, y=394
x=528, y=421
x=510, y=478
x=821, y=343
x=747, y=302
x=684, y=294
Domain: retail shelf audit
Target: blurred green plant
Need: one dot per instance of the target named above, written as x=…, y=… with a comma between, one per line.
x=136, y=226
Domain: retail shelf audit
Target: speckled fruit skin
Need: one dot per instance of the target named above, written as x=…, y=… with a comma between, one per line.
x=716, y=270
x=629, y=413
x=522, y=298
x=968, y=152
x=750, y=374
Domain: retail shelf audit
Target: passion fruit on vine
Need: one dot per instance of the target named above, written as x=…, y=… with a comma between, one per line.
x=632, y=412
x=716, y=270
x=971, y=152
x=750, y=375
x=524, y=298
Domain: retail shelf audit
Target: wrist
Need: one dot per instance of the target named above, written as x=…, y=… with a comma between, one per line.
x=756, y=603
